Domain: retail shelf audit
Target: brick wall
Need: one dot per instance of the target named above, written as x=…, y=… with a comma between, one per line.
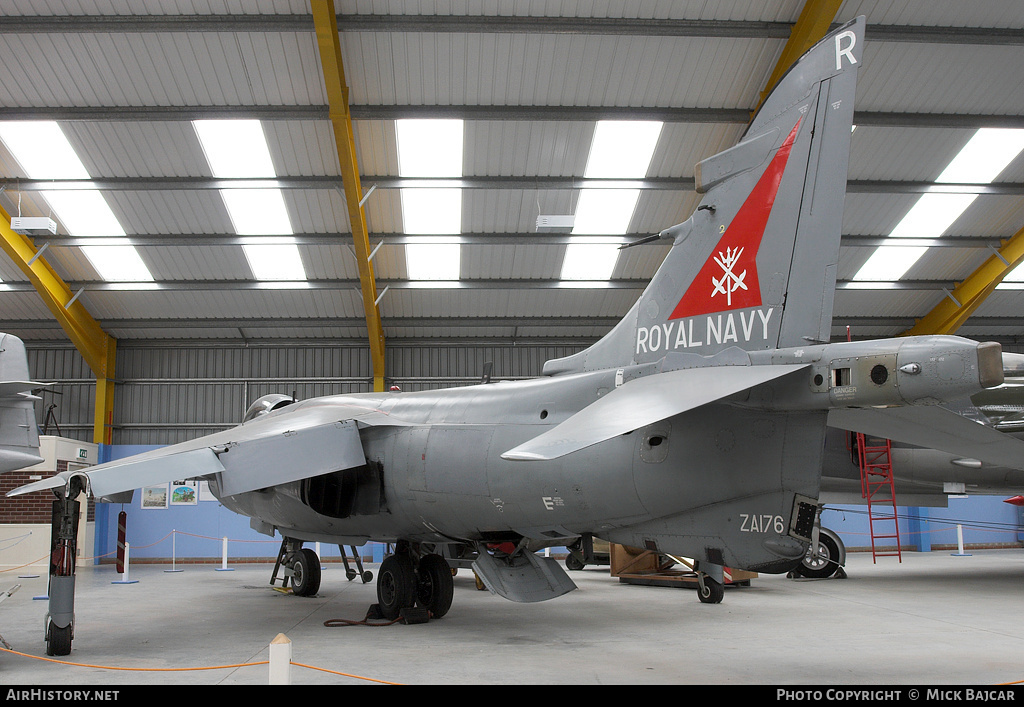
x=32, y=507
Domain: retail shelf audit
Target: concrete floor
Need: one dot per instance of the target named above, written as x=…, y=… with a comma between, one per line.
x=934, y=619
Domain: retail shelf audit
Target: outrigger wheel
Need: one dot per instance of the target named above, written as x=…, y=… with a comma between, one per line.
x=710, y=583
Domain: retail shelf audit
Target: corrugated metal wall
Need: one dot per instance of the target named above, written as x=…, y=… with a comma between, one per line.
x=168, y=395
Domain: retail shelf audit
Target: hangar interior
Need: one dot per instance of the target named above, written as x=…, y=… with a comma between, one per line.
x=164, y=283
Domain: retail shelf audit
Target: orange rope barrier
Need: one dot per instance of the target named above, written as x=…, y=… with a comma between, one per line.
x=348, y=675
x=142, y=670
x=212, y=667
x=33, y=562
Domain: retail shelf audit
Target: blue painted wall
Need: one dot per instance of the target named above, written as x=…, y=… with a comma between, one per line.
x=985, y=520
x=198, y=530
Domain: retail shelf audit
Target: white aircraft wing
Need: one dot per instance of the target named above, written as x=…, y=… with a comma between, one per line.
x=643, y=401
x=295, y=443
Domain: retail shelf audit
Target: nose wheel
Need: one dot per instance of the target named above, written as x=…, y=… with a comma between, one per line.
x=301, y=567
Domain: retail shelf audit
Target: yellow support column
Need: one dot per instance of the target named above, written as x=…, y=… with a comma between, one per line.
x=95, y=345
x=951, y=313
x=326, y=22
x=103, y=420
x=810, y=27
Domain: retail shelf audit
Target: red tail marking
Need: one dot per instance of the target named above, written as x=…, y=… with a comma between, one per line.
x=728, y=279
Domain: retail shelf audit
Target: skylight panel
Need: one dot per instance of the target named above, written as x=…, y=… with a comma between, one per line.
x=84, y=212
x=605, y=211
x=432, y=211
x=257, y=212
x=275, y=261
x=433, y=259
x=44, y=152
x=984, y=156
x=889, y=263
x=980, y=161
x=622, y=149
x=235, y=149
x=429, y=148
x=590, y=259
x=117, y=263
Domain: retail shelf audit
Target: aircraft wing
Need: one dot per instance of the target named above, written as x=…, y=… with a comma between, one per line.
x=933, y=427
x=643, y=401
x=273, y=449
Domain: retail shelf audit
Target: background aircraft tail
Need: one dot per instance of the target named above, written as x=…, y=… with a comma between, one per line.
x=755, y=266
x=19, y=436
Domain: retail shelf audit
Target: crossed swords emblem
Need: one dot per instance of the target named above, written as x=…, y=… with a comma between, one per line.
x=730, y=281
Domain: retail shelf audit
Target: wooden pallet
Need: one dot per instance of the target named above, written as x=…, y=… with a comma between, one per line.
x=649, y=568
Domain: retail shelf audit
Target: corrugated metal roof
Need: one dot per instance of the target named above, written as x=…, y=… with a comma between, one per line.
x=518, y=71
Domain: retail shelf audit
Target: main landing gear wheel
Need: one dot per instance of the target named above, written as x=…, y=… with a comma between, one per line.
x=709, y=591
x=305, y=573
x=434, y=586
x=396, y=585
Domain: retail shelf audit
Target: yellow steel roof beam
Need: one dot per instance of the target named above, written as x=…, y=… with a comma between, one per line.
x=329, y=43
x=813, y=23
x=951, y=313
x=84, y=331
x=95, y=345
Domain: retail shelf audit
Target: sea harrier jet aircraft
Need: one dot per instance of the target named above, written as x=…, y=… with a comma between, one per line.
x=696, y=427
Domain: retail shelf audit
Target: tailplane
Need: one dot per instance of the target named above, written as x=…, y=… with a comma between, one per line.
x=755, y=265
x=19, y=436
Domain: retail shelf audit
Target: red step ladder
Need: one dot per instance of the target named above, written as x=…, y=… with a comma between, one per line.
x=875, y=458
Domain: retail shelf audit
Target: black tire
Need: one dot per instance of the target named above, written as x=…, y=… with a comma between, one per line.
x=710, y=591
x=396, y=585
x=306, y=573
x=573, y=563
x=434, y=586
x=58, y=641
x=826, y=564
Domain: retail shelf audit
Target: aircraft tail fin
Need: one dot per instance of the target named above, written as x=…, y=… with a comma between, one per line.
x=755, y=265
x=19, y=436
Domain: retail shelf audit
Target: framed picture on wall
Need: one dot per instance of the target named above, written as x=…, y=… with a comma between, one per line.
x=154, y=496
x=184, y=493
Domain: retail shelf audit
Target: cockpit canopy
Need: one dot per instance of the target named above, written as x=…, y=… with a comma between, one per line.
x=266, y=404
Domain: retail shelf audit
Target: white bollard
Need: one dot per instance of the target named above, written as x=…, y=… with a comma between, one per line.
x=281, y=660
x=960, y=542
x=224, y=556
x=174, y=551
